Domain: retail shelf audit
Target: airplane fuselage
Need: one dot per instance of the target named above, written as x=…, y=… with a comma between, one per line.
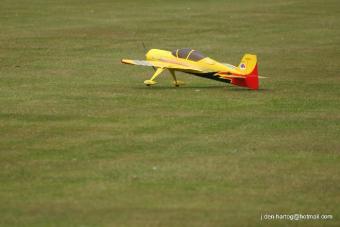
x=207, y=65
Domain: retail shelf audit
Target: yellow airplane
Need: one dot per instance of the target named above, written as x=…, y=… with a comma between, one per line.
x=193, y=62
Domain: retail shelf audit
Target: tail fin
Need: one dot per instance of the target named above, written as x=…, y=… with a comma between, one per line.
x=248, y=66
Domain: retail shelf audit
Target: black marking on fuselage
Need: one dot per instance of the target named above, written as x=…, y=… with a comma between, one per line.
x=212, y=77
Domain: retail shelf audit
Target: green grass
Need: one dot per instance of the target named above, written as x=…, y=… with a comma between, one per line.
x=84, y=143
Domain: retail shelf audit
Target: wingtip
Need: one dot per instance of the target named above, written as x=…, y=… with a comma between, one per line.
x=124, y=61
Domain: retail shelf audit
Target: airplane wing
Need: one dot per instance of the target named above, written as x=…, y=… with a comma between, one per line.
x=160, y=64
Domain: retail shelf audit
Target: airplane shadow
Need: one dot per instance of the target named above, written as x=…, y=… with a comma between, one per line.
x=226, y=88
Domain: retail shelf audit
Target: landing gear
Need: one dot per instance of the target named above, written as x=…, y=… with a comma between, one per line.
x=176, y=82
x=151, y=81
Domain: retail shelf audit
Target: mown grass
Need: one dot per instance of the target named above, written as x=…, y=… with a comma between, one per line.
x=84, y=143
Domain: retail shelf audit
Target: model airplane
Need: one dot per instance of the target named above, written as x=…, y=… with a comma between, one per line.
x=193, y=62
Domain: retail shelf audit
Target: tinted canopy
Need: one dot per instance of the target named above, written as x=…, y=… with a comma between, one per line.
x=189, y=54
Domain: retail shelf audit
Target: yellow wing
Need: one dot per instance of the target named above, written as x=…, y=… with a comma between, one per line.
x=161, y=64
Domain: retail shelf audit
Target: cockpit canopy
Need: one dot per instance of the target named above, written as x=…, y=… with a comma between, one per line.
x=186, y=53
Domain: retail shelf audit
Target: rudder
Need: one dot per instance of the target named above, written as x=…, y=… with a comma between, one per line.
x=248, y=66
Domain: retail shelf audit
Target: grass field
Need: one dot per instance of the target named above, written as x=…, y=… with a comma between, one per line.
x=84, y=143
